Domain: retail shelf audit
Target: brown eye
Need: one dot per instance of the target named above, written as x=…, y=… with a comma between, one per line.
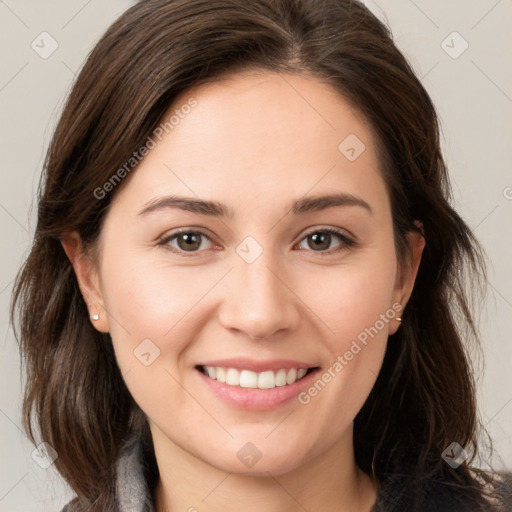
x=320, y=240
x=189, y=241
x=185, y=242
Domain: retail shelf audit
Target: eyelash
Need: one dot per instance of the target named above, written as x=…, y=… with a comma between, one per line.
x=347, y=243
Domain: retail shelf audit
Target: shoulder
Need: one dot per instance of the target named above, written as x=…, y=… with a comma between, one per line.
x=398, y=494
x=501, y=491
x=132, y=485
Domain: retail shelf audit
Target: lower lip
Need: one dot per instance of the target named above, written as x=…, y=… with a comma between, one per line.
x=256, y=399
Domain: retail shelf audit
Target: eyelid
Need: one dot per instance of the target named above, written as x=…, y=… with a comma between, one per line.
x=347, y=239
x=343, y=233
x=167, y=237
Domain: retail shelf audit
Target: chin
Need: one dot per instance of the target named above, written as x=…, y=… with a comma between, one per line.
x=260, y=465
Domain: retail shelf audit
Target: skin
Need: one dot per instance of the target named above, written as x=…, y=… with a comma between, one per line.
x=255, y=141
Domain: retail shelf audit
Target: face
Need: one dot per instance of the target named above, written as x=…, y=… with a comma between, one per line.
x=270, y=281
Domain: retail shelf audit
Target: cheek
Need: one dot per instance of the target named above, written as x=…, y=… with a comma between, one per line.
x=150, y=302
x=360, y=321
x=151, y=319
x=349, y=298
x=356, y=304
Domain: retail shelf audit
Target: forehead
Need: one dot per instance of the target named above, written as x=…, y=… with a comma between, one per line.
x=260, y=138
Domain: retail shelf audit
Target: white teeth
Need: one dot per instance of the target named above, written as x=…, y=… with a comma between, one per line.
x=233, y=377
x=249, y=379
x=267, y=380
x=220, y=373
x=281, y=378
x=291, y=376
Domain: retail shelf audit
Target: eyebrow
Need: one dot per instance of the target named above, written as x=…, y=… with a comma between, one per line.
x=300, y=206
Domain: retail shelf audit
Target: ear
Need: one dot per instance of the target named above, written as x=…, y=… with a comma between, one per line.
x=87, y=277
x=405, y=285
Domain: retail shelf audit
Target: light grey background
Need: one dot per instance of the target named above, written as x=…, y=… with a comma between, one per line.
x=473, y=95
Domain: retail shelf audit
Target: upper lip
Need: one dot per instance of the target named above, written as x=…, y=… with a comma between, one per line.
x=242, y=363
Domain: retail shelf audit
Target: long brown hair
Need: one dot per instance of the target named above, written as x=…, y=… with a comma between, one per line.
x=424, y=397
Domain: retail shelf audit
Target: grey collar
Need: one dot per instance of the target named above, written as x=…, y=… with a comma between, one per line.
x=132, y=491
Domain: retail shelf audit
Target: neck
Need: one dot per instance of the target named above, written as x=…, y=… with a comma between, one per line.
x=331, y=482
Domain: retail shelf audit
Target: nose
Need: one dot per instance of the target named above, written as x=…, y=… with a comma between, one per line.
x=258, y=300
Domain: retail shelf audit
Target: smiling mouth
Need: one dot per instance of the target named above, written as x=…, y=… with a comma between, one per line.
x=261, y=380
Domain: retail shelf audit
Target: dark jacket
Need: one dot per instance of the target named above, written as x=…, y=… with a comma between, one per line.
x=133, y=490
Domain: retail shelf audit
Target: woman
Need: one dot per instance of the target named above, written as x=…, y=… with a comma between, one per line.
x=246, y=274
